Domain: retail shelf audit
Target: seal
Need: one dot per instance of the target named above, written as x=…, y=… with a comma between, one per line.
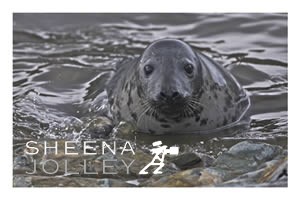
x=171, y=88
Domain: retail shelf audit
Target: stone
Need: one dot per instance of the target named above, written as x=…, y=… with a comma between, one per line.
x=188, y=178
x=21, y=181
x=187, y=161
x=246, y=157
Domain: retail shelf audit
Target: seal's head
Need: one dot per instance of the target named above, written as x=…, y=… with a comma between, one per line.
x=172, y=89
x=169, y=72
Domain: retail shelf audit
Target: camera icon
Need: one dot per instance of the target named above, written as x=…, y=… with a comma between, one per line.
x=172, y=151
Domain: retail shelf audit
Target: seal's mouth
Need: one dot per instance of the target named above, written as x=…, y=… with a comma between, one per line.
x=184, y=107
x=171, y=108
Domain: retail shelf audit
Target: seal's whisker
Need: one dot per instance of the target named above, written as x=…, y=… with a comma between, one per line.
x=190, y=110
x=198, y=103
x=143, y=114
x=185, y=111
x=152, y=111
x=138, y=109
x=192, y=106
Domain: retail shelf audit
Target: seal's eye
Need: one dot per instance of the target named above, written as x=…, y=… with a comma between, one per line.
x=189, y=69
x=148, y=69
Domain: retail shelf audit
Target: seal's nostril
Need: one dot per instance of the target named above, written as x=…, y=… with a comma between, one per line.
x=175, y=95
x=162, y=94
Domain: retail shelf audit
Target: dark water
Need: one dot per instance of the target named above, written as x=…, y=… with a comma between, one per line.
x=62, y=61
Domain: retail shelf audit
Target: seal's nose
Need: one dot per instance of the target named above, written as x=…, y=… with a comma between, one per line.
x=169, y=95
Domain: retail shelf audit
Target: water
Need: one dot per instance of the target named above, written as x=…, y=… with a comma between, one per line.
x=62, y=61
